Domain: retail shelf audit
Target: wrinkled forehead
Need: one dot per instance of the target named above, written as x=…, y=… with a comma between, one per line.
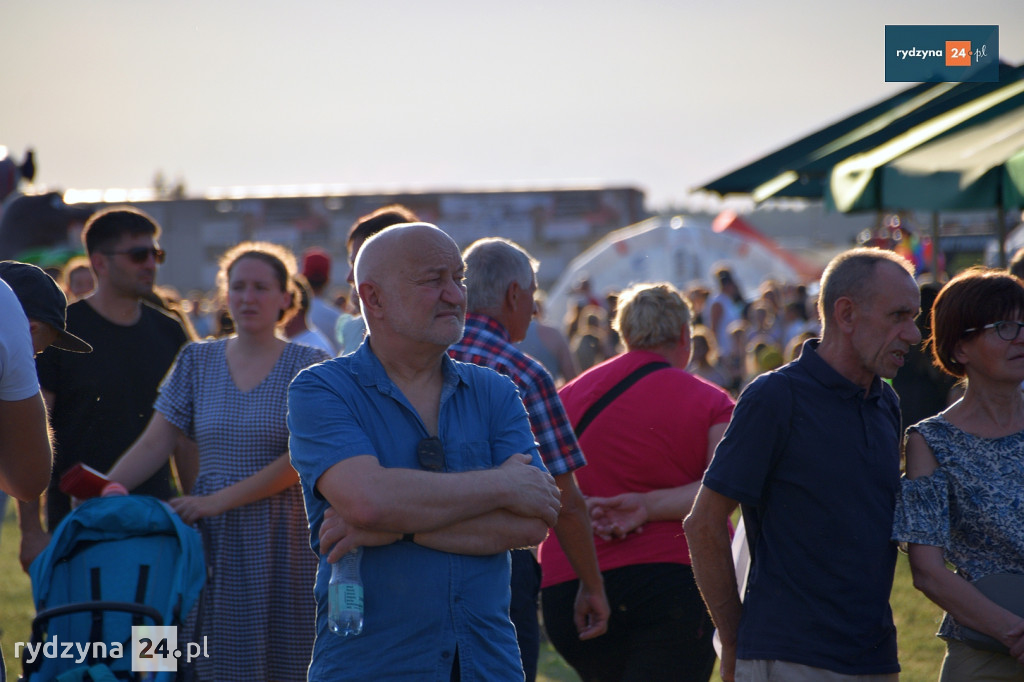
x=431, y=254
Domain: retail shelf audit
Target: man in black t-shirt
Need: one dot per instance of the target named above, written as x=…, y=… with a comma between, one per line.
x=101, y=402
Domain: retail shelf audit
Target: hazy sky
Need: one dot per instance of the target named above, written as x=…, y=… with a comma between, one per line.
x=436, y=94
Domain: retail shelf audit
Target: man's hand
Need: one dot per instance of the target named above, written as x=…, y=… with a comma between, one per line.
x=613, y=518
x=340, y=538
x=1017, y=646
x=536, y=495
x=590, y=613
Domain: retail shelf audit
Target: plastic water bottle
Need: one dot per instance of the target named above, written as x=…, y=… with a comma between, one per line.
x=345, y=596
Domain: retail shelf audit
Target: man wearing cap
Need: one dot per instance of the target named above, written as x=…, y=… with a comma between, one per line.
x=100, y=403
x=316, y=268
x=32, y=308
x=25, y=452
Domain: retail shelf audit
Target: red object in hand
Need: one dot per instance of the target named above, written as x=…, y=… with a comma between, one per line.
x=83, y=482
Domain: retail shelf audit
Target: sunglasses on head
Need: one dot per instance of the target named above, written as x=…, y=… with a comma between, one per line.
x=139, y=254
x=430, y=453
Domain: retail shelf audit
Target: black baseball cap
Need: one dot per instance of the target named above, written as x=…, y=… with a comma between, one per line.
x=43, y=300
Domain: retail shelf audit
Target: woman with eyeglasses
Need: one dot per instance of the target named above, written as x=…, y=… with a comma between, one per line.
x=257, y=612
x=962, y=497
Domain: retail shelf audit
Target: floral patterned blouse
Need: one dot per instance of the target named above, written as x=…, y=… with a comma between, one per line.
x=972, y=505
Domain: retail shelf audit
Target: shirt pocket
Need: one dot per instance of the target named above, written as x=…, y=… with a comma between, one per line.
x=472, y=456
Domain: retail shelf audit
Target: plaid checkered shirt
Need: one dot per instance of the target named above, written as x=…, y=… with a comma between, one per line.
x=486, y=342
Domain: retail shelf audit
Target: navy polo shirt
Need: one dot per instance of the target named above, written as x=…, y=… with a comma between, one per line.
x=815, y=465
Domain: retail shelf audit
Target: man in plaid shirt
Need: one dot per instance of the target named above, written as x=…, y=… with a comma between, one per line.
x=501, y=282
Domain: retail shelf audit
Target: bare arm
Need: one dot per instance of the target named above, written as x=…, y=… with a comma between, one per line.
x=616, y=517
x=26, y=456
x=33, y=538
x=270, y=480
x=186, y=463
x=707, y=533
x=376, y=498
x=148, y=453
x=576, y=537
x=950, y=591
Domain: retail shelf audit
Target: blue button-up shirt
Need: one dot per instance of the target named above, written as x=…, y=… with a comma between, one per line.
x=421, y=605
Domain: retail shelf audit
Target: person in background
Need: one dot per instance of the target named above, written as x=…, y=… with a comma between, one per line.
x=316, y=268
x=726, y=307
x=500, y=286
x=924, y=388
x=704, y=357
x=32, y=307
x=199, y=314
x=350, y=336
x=429, y=466
x=230, y=396
x=100, y=402
x=963, y=491
x=698, y=295
x=647, y=450
x=1016, y=264
x=590, y=343
x=297, y=328
x=548, y=346
x=38, y=299
x=77, y=278
x=732, y=358
x=813, y=455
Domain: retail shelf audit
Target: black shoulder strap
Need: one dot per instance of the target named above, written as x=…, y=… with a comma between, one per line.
x=615, y=391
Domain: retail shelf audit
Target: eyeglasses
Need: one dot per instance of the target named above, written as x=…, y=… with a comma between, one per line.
x=139, y=254
x=430, y=452
x=1008, y=330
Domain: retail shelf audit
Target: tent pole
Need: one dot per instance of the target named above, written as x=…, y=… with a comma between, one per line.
x=936, y=275
x=1001, y=234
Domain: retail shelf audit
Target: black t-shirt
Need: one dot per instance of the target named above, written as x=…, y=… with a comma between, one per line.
x=104, y=399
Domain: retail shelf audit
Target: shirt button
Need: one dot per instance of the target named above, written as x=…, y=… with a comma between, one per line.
x=445, y=654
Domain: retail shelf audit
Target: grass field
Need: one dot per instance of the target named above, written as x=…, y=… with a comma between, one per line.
x=917, y=619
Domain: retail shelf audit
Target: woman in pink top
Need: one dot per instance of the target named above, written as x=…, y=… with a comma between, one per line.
x=646, y=453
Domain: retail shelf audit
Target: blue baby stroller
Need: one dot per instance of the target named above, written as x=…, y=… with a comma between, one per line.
x=112, y=563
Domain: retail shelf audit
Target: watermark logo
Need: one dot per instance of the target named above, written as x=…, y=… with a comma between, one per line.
x=935, y=54
x=154, y=648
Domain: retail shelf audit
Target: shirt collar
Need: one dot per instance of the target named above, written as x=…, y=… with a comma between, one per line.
x=370, y=372
x=480, y=322
x=828, y=377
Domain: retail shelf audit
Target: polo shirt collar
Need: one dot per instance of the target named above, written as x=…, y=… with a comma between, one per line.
x=828, y=377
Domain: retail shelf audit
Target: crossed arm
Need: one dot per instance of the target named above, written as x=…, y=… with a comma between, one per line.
x=474, y=512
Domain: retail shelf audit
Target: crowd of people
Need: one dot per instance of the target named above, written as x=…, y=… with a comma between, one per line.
x=495, y=468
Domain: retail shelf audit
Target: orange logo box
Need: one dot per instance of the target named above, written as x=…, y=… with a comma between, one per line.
x=958, y=53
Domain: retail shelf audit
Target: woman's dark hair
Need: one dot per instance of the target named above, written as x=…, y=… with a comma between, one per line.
x=976, y=297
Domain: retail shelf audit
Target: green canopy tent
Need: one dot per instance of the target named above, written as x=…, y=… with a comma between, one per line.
x=801, y=169
x=970, y=158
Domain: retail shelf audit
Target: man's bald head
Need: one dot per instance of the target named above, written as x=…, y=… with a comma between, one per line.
x=391, y=250
x=409, y=281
